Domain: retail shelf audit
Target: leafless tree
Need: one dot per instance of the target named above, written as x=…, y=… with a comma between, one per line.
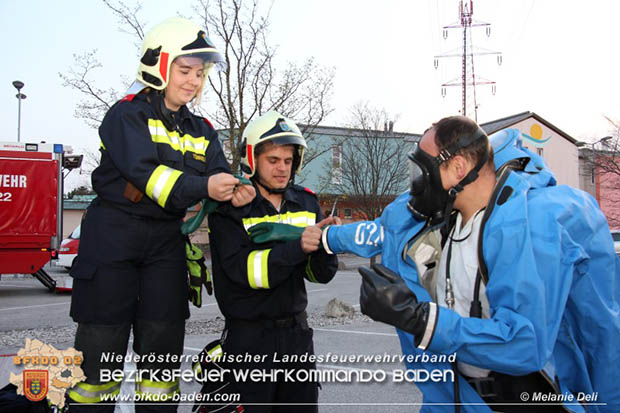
x=82, y=76
x=251, y=85
x=371, y=167
x=602, y=159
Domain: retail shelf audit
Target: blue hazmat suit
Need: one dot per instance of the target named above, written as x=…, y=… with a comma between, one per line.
x=552, y=287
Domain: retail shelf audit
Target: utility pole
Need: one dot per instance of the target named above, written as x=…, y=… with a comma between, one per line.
x=466, y=52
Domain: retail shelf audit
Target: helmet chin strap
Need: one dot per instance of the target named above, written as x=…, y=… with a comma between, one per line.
x=256, y=178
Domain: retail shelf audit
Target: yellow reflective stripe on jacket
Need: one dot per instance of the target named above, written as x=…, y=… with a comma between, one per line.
x=160, y=184
x=157, y=390
x=197, y=145
x=92, y=393
x=257, y=269
x=160, y=134
x=101, y=144
x=298, y=219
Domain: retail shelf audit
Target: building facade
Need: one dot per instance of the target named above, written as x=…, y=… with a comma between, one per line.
x=559, y=150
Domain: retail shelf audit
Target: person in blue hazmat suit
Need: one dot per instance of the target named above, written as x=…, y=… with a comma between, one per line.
x=491, y=263
x=157, y=159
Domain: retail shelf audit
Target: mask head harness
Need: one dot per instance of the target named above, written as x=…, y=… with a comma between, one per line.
x=429, y=201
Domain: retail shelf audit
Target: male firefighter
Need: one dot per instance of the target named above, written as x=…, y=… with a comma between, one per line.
x=260, y=288
x=524, y=291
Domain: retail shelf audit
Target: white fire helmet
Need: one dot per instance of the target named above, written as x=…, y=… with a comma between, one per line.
x=165, y=42
x=271, y=127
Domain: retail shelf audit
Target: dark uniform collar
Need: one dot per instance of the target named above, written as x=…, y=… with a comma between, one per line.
x=290, y=195
x=156, y=99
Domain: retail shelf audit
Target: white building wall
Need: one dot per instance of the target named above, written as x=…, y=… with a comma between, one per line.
x=561, y=155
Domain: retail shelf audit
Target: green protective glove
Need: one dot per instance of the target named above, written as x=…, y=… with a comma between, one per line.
x=273, y=231
x=192, y=224
x=198, y=274
x=208, y=206
x=242, y=179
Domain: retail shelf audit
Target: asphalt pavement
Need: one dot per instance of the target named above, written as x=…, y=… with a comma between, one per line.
x=28, y=310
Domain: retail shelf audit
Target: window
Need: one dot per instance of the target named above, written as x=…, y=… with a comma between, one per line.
x=593, y=176
x=539, y=151
x=348, y=213
x=337, y=156
x=337, y=176
x=336, y=164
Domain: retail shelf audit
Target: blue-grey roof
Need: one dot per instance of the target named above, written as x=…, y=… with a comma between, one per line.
x=503, y=123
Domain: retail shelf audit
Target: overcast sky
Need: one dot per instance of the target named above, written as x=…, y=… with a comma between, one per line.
x=559, y=59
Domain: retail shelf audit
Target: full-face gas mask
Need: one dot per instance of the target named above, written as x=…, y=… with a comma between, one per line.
x=429, y=201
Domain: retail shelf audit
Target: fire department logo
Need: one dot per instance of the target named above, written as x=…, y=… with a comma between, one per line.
x=284, y=126
x=35, y=384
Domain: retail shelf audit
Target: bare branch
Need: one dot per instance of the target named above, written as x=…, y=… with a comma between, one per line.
x=373, y=169
x=602, y=160
x=251, y=84
x=127, y=17
x=96, y=102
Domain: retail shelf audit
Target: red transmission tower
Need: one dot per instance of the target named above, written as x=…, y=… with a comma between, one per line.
x=468, y=80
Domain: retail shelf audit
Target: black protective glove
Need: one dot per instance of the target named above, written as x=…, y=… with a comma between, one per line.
x=385, y=297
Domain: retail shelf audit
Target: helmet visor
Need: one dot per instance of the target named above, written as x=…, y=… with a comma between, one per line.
x=208, y=56
x=288, y=140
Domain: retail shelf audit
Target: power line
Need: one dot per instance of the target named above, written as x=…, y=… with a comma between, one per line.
x=466, y=52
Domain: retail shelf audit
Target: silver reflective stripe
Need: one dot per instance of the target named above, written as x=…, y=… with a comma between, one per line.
x=324, y=241
x=161, y=182
x=257, y=269
x=159, y=388
x=430, y=326
x=298, y=219
x=196, y=147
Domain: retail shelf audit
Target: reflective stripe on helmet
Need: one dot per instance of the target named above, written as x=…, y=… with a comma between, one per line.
x=258, y=269
x=298, y=219
x=160, y=184
x=93, y=393
x=163, y=66
x=168, y=40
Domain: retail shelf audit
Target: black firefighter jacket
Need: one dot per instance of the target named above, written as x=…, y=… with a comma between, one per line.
x=265, y=281
x=165, y=156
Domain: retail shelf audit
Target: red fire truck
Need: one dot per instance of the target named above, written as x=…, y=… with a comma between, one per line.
x=31, y=188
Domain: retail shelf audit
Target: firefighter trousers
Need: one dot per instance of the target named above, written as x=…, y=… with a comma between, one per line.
x=270, y=341
x=130, y=273
x=156, y=343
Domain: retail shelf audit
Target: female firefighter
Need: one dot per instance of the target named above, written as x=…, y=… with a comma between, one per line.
x=157, y=159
